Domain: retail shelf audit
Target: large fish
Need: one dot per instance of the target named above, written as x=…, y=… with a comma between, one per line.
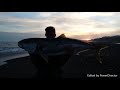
x=54, y=46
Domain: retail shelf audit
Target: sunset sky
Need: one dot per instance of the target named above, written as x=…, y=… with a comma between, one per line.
x=81, y=25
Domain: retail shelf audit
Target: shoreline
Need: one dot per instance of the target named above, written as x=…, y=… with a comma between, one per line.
x=3, y=60
x=18, y=68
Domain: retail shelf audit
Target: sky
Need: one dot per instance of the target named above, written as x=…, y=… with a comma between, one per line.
x=79, y=25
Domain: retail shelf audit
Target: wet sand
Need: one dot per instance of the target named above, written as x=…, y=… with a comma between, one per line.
x=18, y=68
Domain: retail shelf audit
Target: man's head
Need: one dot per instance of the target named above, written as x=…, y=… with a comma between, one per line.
x=50, y=32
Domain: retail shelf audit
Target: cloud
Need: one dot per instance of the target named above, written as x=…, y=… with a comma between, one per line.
x=12, y=36
x=18, y=21
x=70, y=23
x=107, y=21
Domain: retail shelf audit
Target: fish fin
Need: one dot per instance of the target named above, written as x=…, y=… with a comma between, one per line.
x=62, y=36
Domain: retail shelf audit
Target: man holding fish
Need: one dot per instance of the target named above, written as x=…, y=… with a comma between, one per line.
x=52, y=68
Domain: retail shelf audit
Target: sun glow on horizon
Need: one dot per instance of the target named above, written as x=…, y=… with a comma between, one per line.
x=87, y=39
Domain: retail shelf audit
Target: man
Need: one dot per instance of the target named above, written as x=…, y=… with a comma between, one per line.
x=52, y=69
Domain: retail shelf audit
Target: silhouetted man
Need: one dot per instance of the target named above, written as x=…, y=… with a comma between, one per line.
x=52, y=69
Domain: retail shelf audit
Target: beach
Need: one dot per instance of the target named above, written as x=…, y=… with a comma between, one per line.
x=78, y=66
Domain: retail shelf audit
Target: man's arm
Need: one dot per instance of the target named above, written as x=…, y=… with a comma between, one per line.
x=40, y=54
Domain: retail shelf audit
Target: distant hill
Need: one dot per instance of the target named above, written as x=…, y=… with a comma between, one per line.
x=111, y=39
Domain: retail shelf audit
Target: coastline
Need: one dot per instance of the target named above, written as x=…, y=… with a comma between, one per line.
x=10, y=56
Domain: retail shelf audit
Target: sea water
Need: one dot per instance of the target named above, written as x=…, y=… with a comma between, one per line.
x=10, y=50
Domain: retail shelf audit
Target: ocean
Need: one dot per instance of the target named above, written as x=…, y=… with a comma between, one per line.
x=10, y=50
